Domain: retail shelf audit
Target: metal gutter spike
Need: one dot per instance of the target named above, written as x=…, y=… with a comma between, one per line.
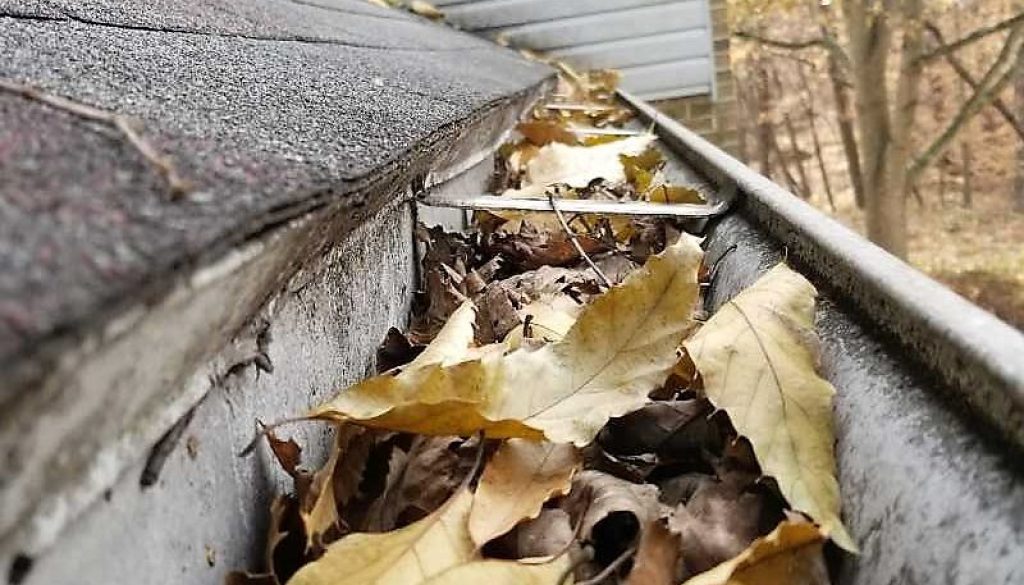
x=604, y=207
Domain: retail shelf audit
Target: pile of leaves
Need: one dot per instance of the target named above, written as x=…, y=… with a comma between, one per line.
x=561, y=411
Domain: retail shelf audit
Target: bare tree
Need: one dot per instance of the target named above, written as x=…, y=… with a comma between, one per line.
x=885, y=112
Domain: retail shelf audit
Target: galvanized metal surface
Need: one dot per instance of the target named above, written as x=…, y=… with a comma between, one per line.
x=979, y=357
x=662, y=47
x=932, y=491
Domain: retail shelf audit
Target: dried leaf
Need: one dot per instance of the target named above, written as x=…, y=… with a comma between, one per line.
x=547, y=535
x=517, y=481
x=409, y=555
x=332, y=486
x=425, y=9
x=541, y=132
x=718, y=521
x=288, y=453
x=578, y=166
x=756, y=363
x=421, y=481
x=610, y=511
x=657, y=558
x=494, y=572
x=791, y=554
x=622, y=347
x=665, y=193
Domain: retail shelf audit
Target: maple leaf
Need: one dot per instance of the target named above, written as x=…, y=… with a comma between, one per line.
x=757, y=365
x=790, y=554
x=520, y=477
x=622, y=346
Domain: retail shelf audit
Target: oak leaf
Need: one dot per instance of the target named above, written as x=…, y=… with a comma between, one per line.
x=755, y=358
x=790, y=554
x=517, y=481
x=622, y=346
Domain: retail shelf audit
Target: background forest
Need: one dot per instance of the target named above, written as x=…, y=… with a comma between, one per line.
x=902, y=118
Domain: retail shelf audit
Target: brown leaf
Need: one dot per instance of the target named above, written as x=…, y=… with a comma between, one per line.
x=288, y=453
x=548, y=534
x=497, y=312
x=396, y=350
x=657, y=558
x=791, y=554
x=673, y=430
x=719, y=521
x=420, y=481
x=520, y=477
x=611, y=511
x=333, y=485
x=541, y=132
x=530, y=248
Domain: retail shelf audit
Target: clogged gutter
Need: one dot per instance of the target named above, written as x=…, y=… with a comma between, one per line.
x=561, y=410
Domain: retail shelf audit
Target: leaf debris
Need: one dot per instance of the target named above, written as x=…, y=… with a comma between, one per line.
x=566, y=351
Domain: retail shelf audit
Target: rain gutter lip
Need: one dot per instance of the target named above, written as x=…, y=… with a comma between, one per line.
x=977, y=354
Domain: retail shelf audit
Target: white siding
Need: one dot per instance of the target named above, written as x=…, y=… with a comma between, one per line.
x=662, y=47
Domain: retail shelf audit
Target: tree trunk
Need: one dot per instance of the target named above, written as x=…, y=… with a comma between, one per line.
x=867, y=24
x=813, y=126
x=765, y=132
x=844, y=111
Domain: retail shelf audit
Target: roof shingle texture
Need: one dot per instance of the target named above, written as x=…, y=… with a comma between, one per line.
x=265, y=106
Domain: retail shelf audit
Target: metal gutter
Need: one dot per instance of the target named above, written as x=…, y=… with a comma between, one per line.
x=979, y=356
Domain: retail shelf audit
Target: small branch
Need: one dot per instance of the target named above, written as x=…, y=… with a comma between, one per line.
x=585, y=556
x=965, y=75
x=995, y=79
x=779, y=44
x=971, y=38
x=179, y=187
x=612, y=566
x=576, y=243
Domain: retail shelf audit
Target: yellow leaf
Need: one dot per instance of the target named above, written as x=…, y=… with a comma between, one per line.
x=621, y=347
x=550, y=319
x=520, y=477
x=790, y=554
x=452, y=342
x=541, y=132
x=492, y=572
x=333, y=484
x=756, y=363
x=665, y=193
x=413, y=554
x=426, y=9
x=577, y=166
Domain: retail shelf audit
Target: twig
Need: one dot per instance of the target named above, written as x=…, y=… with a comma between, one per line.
x=778, y=43
x=179, y=187
x=974, y=36
x=576, y=243
x=587, y=555
x=612, y=566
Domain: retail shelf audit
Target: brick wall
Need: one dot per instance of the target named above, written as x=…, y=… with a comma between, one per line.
x=715, y=119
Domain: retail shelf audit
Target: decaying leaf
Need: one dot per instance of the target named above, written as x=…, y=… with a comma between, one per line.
x=420, y=481
x=657, y=558
x=332, y=486
x=547, y=535
x=622, y=347
x=756, y=363
x=517, y=481
x=610, y=511
x=791, y=554
x=719, y=520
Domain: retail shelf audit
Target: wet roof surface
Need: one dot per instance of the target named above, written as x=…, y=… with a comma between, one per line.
x=264, y=106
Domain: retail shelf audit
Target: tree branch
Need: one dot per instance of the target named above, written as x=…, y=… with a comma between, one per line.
x=779, y=44
x=971, y=38
x=966, y=76
x=995, y=79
